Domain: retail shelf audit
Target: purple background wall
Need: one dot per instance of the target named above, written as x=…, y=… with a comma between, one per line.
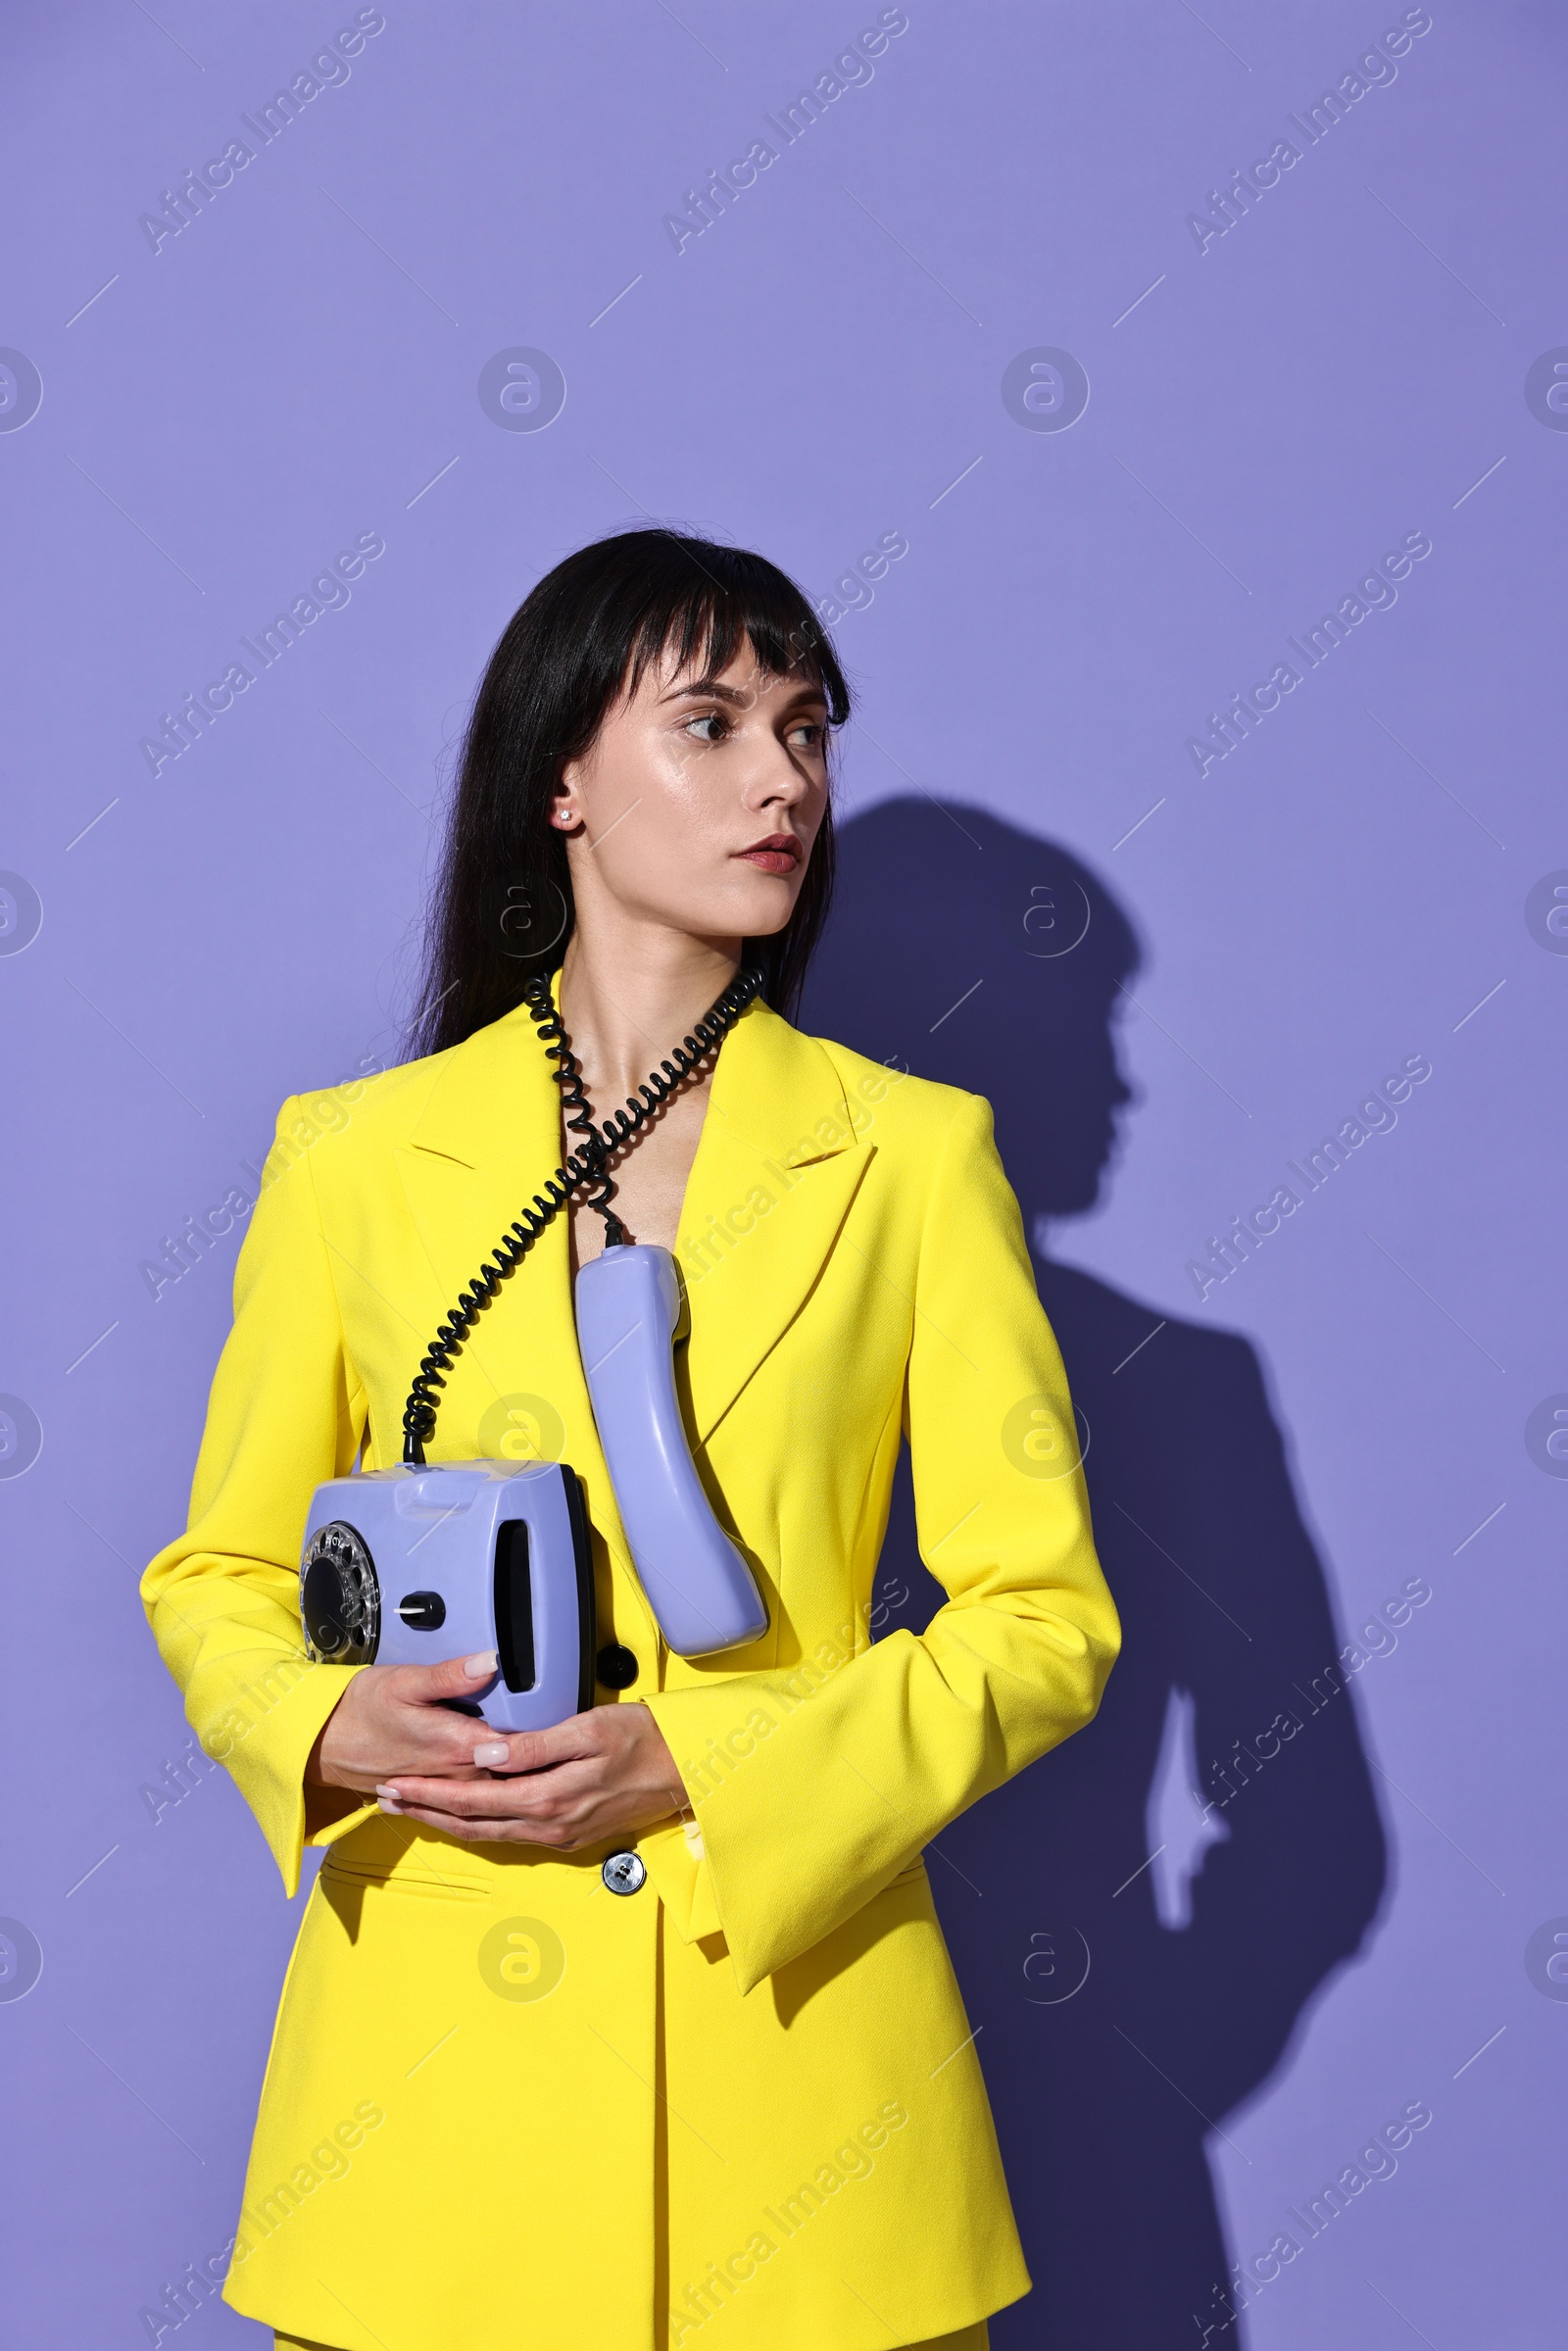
x=1367, y=876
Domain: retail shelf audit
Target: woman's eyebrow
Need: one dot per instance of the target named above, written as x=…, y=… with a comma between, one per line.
x=709, y=688
x=706, y=688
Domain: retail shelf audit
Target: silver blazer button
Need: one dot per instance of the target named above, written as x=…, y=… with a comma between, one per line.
x=625, y=1872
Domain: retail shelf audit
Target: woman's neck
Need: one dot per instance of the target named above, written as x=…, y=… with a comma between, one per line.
x=624, y=1008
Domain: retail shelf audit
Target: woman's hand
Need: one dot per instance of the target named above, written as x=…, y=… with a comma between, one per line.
x=392, y=1718
x=603, y=1774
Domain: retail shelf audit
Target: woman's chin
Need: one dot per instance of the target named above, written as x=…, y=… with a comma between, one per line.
x=751, y=907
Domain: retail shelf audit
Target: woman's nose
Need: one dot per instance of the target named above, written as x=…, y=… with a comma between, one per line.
x=773, y=776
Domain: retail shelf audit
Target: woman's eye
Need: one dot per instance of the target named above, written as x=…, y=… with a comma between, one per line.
x=812, y=734
x=715, y=718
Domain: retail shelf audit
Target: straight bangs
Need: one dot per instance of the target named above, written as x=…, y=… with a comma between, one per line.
x=697, y=618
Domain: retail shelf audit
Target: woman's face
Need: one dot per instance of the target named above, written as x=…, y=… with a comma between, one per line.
x=696, y=806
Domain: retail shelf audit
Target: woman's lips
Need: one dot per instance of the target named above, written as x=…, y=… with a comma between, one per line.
x=780, y=853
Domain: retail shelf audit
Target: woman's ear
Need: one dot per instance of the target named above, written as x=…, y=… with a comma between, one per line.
x=564, y=813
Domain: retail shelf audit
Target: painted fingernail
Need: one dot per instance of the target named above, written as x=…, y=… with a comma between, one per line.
x=491, y=1750
x=388, y=1804
x=482, y=1667
x=384, y=1787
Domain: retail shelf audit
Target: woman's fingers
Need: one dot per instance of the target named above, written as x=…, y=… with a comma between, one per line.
x=534, y=1797
x=603, y=1773
x=557, y=1810
x=579, y=1735
x=398, y=1717
x=615, y=1775
x=536, y=1769
x=497, y=1832
x=453, y=1678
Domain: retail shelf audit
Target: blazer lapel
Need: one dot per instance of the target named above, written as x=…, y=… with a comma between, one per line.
x=487, y=1138
x=776, y=1170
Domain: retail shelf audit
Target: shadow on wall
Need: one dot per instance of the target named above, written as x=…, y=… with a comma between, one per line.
x=1201, y=1963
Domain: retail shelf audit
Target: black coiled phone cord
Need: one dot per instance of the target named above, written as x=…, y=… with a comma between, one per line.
x=587, y=1167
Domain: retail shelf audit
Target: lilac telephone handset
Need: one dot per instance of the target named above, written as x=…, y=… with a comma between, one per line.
x=697, y=1586
x=408, y=1565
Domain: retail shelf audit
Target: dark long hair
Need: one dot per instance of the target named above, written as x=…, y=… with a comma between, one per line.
x=502, y=908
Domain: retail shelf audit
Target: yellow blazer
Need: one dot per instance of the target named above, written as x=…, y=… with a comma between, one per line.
x=503, y=2104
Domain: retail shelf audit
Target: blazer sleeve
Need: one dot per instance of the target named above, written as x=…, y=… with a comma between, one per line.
x=286, y=1412
x=850, y=1772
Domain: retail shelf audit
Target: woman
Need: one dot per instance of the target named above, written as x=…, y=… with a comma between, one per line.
x=641, y=2030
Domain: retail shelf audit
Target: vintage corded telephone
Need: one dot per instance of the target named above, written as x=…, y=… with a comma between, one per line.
x=495, y=1554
